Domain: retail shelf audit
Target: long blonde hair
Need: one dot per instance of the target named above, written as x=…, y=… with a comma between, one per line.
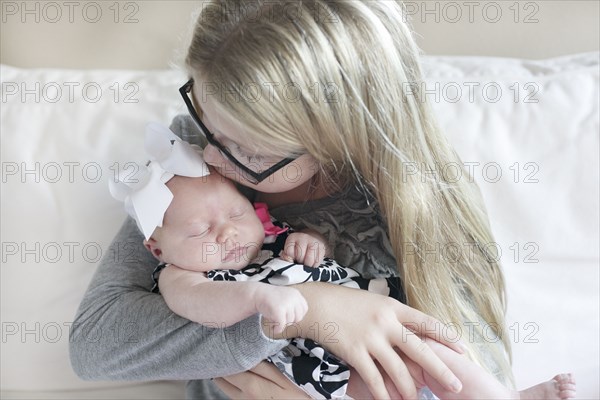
x=333, y=78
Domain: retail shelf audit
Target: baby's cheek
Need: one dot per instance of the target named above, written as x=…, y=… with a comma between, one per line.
x=255, y=248
x=257, y=242
x=202, y=257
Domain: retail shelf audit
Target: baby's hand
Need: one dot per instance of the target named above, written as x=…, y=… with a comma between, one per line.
x=281, y=305
x=304, y=248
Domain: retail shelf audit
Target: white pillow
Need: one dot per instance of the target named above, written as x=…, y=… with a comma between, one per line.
x=536, y=124
x=64, y=212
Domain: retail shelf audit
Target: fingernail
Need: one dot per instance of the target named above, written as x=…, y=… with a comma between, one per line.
x=456, y=386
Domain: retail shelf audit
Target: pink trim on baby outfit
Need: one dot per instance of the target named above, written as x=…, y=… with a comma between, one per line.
x=262, y=212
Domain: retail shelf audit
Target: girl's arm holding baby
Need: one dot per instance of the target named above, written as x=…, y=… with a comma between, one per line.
x=192, y=295
x=220, y=304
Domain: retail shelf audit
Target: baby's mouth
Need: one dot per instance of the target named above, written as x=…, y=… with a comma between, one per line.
x=235, y=254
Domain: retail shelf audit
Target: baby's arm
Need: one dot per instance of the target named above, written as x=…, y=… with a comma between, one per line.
x=479, y=384
x=307, y=247
x=223, y=303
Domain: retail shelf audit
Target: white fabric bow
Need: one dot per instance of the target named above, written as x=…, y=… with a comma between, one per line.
x=145, y=195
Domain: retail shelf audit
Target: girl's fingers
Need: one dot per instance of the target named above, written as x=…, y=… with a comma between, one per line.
x=268, y=371
x=273, y=384
x=418, y=351
x=242, y=385
x=430, y=327
x=371, y=376
x=231, y=391
x=395, y=368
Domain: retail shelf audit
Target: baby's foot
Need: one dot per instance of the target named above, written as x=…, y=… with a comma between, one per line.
x=561, y=387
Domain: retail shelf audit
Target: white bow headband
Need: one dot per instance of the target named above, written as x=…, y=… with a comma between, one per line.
x=146, y=196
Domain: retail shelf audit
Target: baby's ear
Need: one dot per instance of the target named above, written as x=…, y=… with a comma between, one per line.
x=152, y=246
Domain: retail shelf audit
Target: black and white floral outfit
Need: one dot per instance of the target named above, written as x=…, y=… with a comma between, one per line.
x=319, y=373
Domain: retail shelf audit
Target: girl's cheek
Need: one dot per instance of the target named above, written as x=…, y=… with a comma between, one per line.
x=287, y=178
x=214, y=158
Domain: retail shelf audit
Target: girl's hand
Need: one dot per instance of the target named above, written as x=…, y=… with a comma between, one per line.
x=357, y=388
x=261, y=382
x=364, y=328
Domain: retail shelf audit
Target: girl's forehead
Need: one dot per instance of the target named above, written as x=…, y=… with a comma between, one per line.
x=225, y=127
x=218, y=122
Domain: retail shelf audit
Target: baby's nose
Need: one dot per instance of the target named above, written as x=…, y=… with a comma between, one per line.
x=228, y=233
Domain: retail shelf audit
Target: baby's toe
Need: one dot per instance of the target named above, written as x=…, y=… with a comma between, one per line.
x=567, y=394
x=564, y=378
x=566, y=385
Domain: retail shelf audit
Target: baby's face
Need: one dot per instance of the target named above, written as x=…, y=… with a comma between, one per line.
x=208, y=225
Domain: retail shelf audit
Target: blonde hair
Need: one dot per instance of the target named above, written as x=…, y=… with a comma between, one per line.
x=349, y=66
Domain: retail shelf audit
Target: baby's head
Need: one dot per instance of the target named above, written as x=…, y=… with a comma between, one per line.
x=208, y=225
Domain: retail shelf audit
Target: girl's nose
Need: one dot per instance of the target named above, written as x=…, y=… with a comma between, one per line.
x=212, y=155
x=228, y=233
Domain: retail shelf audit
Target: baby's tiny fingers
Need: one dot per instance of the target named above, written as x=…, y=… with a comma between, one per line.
x=280, y=320
x=309, y=259
x=286, y=257
x=317, y=253
x=300, y=312
x=298, y=253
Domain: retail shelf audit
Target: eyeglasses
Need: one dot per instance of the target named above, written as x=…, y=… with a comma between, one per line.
x=252, y=176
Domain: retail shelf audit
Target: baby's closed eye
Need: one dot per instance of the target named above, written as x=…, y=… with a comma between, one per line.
x=200, y=232
x=237, y=214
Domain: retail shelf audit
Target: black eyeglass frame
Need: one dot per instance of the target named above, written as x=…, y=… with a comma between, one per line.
x=257, y=177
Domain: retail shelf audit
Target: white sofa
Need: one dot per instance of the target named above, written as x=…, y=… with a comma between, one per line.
x=528, y=129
